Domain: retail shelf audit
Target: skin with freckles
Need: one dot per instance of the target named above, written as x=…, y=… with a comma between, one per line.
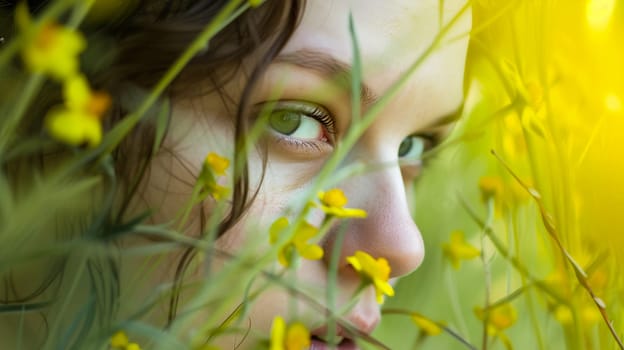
x=312, y=77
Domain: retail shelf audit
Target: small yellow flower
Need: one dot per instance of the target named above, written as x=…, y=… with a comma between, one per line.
x=294, y=337
x=52, y=50
x=298, y=243
x=563, y=314
x=78, y=121
x=457, y=249
x=587, y=312
x=333, y=198
x=214, y=165
x=73, y=128
x=426, y=325
x=373, y=271
x=217, y=163
x=499, y=318
x=332, y=203
x=218, y=192
x=119, y=340
x=133, y=346
x=491, y=187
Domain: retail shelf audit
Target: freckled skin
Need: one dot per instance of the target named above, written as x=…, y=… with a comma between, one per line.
x=392, y=34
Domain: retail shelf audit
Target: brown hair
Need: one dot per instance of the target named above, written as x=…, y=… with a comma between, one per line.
x=261, y=32
x=146, y=41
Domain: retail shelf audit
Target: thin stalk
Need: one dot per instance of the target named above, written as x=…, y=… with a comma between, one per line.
x=69, y=298
x=332, y=282
x=7, y=129
x=446, y=329
x=580, y=274
x=455, y=304
x=502, y=250
x=486, y=271
x=222, y=19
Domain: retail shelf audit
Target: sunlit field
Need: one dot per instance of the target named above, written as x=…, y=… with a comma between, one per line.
x=521, y=207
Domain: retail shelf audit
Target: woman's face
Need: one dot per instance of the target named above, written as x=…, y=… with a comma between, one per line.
x=392, y=35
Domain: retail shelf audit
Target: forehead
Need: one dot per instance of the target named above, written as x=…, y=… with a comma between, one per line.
x=392, y=35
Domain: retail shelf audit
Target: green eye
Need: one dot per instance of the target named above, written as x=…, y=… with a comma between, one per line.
x=413, y=147
x=285, y=122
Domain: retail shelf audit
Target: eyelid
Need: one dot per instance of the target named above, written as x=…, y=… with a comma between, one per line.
x=293, y=146
x=433, y=139
x=314, y=110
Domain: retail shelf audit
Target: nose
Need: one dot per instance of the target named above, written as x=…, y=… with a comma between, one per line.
x=388, y=231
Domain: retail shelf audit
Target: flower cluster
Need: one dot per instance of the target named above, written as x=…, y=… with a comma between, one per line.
x=294, y=336
x=298, y=244
x=458, y=249
x=53, y=50
x=373, y=271
x=499, y=318
x=426, y=325
x=120, y=341
x=214, y=165
x=333, y=202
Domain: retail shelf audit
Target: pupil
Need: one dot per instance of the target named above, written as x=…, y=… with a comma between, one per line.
x=406, y=146
x=285, y=122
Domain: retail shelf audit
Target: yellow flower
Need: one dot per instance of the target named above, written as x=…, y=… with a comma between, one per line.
x=133, y=346
x=298, y=243
x=217, y=163
x=71, y=127
x=294, y=337
x=563, y=314
x=333, y=202
x=214, y=165
x=588, y=313
x=333, y=198
x=491, y=187
x=78, y=121
x=426, y=325
x=457, y=249
x=375, y=271
x=52, y=50
x=119, y=340
x=499, y=318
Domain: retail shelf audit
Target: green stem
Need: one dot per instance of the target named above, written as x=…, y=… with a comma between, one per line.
x=69, y=300
x=446, y=329
x=502, y=250
x=7, y=129
x=581, y=275
x=455, y=303
x=332, y=281
x=486, y=271
x=222, y=19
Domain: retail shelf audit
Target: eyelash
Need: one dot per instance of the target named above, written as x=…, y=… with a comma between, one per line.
x=323, y=118
x=311, y=110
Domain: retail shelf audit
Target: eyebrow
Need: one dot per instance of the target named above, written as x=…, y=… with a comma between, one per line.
x=327, y=65
x=447, y=119
x=333, y=68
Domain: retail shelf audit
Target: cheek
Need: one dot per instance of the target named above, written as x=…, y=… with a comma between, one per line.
x=285, y=175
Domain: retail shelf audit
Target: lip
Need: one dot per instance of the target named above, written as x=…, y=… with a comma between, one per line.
x=345, y=344
x=360, y=325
